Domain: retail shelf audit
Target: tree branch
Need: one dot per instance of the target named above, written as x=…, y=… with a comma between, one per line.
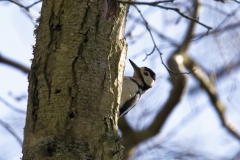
x=155, y=4
x=17, y=3
x=33, y=4
x=209, y=87
x=21, y=5
x=225, y=70
x=155, y=46
x=217, y=30
x=132, y=138
x=178, y=83
x=14, y=64
x=150, y=32
x=9, y=129
x=236, y=1
x=12, y=107
x=25, y=8
x=128, y=135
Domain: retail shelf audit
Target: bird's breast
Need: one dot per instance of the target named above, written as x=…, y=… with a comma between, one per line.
x=129, y=90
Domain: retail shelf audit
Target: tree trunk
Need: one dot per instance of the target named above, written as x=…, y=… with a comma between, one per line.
x=75, y=81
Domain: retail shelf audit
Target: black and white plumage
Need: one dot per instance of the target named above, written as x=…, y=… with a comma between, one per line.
x=133, y=87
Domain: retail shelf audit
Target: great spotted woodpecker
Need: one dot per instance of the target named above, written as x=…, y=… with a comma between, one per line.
x=133, y=87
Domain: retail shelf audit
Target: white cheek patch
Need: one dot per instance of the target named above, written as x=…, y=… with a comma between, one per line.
x=149, y=81
x=152, y=83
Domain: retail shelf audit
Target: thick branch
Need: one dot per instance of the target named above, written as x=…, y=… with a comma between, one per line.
x=236, y=1
x=178, y=82
x=209, y=87
x=225, y=70
x=128, y=135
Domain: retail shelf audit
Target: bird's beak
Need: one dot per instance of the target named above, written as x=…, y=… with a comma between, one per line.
x=135, y=67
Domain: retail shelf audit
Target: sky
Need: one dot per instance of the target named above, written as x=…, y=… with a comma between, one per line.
x=16, y=41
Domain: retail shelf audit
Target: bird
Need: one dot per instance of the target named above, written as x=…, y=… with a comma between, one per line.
x=134, y=86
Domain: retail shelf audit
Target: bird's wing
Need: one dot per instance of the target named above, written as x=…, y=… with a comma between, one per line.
x=130, y=96
x=132, y=102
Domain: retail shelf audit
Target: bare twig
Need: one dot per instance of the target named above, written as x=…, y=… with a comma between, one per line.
x=25, y=8
x=9, y=129
x=229, y=15
x=154, y=4
x=214, y=8
x=155, y=46
x=33, y=4
x=15, y=2
x=21, y=5
x=187, y=17
x=14, y=64
x=219, y=30
x=154, y=30
x=12, y=107
x=150, y=32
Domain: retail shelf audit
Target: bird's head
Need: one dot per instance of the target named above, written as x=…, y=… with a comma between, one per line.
x=146, y=75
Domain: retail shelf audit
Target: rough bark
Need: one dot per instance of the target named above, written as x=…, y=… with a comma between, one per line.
x=75, y=81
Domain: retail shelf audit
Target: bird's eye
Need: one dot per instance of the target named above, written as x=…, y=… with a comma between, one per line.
x=146, y=73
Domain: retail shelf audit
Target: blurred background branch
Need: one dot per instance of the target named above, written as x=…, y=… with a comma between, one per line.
x=11, y=131
x=14, y=64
